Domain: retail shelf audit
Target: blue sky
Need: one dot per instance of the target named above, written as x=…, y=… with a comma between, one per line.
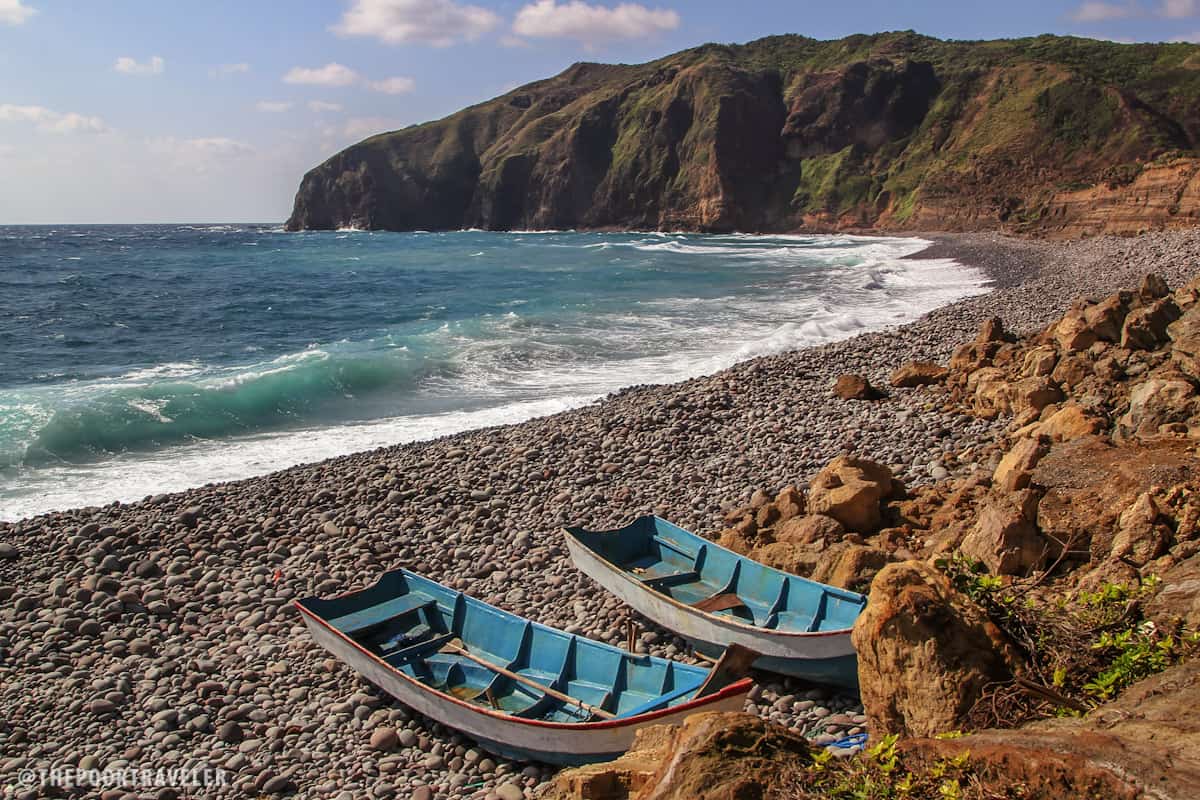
x=132, y=111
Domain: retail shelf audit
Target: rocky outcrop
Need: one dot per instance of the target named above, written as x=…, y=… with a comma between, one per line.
x=893, y=131
x=714, y=756
x=925, y=652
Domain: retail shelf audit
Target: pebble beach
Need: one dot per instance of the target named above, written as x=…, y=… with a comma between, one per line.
x=160, y=634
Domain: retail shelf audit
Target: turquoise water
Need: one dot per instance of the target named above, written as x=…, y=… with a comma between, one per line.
x=138, y=359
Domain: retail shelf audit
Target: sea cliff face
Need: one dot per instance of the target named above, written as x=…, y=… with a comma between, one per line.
x=894, y=131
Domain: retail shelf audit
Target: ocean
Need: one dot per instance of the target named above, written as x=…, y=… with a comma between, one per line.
x=140, y=359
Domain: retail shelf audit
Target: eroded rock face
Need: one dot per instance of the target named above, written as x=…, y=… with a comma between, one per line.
x=850, y=490
x=925, y=652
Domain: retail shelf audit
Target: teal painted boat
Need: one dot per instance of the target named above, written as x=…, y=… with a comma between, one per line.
x=521, y=689
x=714, y=597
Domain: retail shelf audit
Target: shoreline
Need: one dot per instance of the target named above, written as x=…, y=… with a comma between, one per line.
x=130, y=477
x=183, y=601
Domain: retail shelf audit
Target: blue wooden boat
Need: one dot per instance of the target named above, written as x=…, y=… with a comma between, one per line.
x=714, y=597
x=522, y=690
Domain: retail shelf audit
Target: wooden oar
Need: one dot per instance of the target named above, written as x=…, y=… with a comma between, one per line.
x=456, y=646
x=733, y=665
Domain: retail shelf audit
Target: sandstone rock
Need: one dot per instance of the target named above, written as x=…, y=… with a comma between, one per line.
x=1015, y=470
x=850, y=566
x=1034, y=394
x=1146, y=328
x=1069, y=422
x=1106, y=317
x=1072, y=370
x=810, y=529
x=1006, y=538
x=855, y=387
x=1156, y=402
x=789, y=557
x=972, y=356
x=1185, y=342
x=1139, y=537
x=1039, y=362
x=1178, y=596
x=1188, y=296
x=712, y=756
x=925, y=652
x=850, y=490
x=1154, y=287
x=991, y=392
x=992, y=330
x=1073, y=333
x=918, y=373
x=790, y=504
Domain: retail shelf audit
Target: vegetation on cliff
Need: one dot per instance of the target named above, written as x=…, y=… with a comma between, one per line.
x=891, y=130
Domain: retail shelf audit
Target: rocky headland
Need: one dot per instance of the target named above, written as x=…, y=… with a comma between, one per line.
x=896, y=131
x=1046, y=430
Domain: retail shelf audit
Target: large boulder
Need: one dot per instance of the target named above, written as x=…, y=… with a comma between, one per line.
x=1185, y=342
x=850, y=566
x=810, y=529
x=711, y=756
x=1106, y=317
x=991, y=392
x=925, y=652
x=851, y=491
x=1073, y=333
x=1006, y=537
x=1069, y=422
x=1157, y=402
x=918, y=373
x=1146, y=327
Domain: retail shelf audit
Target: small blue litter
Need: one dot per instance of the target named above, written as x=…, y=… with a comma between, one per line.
x=856, y=740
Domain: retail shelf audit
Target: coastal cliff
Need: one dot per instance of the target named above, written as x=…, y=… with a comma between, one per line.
x=1051, y=135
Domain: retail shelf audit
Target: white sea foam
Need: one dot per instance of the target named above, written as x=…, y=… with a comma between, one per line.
x=521, y=368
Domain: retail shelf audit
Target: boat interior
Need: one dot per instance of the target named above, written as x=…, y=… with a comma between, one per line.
x=415, y=625
x=698, y=573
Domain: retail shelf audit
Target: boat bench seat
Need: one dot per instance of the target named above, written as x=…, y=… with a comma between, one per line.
x=359, y=621
x=687, y=576
x=656, y=703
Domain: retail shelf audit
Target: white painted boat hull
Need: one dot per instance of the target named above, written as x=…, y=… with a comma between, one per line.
x=512, y=737
x=827, y=657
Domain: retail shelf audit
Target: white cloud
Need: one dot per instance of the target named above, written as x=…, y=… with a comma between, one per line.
x=272, y=106
x=440, y=23
x=320, y=106
x=1097, y=11
x=13, y=12
x=52, y=121
x=131, y=66
x=332, y=74
x=211, y=146
x=225, y=70
x=1178, y=9
x=394, y=85
x=576, y=19
x=1192, y=38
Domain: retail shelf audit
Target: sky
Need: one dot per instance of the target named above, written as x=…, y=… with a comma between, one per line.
x=138, y=111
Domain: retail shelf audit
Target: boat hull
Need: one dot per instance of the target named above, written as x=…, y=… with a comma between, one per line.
x=506, y=736
x=819, y=657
